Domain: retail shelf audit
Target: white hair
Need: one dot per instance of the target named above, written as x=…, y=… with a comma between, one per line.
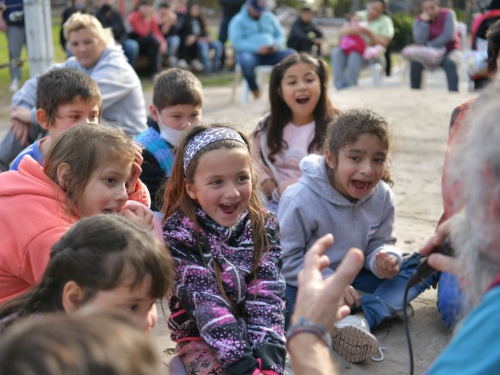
x=476, y=170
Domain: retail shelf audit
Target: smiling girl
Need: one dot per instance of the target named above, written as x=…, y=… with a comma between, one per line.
x=85, y=173
x=296, y=126
x=347, y=193
x=227, y=306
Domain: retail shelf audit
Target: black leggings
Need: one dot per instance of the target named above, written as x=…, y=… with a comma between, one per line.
x=149, y=47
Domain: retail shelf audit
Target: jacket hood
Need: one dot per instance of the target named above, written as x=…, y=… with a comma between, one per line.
x=315, y=177
x=29, y=179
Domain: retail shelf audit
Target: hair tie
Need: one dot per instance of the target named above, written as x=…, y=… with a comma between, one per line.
x=206, y=137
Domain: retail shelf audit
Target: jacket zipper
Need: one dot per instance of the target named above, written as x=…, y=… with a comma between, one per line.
x=234, y=269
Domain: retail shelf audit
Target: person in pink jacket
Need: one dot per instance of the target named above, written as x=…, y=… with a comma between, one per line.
x=86, y=172
x=145, y=30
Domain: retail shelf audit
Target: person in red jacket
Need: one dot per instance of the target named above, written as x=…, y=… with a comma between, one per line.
x=146, y=32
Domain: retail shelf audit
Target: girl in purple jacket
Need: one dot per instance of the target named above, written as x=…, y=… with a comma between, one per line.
x=227, y=305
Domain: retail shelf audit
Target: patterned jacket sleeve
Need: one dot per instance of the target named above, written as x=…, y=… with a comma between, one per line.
x=198, y=293
x=264, y=306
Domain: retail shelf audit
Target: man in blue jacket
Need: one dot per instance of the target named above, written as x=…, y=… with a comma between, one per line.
x=258, y=38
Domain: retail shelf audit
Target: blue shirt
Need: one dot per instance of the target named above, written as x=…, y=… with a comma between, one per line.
x=33, y=150
x=475, y=347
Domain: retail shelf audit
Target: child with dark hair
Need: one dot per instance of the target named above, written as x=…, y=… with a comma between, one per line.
x=65, y=97
x=104, y=262
x=177, y=104
x=86, y=172
x=347, y=193
x=227, y=305
x=296, y=125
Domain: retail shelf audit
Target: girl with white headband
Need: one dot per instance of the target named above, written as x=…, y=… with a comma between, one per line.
x=227, y=305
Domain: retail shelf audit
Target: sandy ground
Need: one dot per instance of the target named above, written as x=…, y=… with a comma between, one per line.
x=419, y=120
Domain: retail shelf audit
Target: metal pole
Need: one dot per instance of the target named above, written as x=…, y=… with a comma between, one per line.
x=38, y=25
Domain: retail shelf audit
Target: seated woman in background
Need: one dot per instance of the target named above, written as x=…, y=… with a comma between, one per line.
x=376, y=28
x=436, y=27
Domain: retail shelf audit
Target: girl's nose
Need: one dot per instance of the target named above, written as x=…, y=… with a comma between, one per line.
x=150, y=319
x=122, y=195
x=232, y=191
x=367, y=168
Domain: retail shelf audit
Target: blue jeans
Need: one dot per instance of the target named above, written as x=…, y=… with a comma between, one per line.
x=385, y=296
x=249, y=60
x=204, y=48
x=346, y=68
x=173, y=43
x=449, y=299
x=131, y=50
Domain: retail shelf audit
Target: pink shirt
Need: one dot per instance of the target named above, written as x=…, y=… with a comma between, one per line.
x=287, y=161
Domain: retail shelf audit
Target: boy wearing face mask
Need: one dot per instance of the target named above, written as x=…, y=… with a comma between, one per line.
x=177, y=102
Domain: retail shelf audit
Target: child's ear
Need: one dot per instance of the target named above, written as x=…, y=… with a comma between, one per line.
x=63, y=172
x=72, y=297
x=154, y=112
x=190, y=190
x=331, y=160
x=41, y=117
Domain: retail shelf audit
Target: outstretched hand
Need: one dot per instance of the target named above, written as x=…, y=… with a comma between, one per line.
x=321, y=300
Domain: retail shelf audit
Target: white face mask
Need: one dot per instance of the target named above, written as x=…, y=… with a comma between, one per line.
x=168, y=134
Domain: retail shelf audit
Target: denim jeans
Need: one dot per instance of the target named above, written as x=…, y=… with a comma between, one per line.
x=173, y=43
x=204, y=48
x=346, y=68
x=249, y=60
x=385, y=296
x=449, y=299
x=131, y=50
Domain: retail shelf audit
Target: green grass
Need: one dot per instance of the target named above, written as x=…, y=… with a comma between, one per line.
x=5, y=95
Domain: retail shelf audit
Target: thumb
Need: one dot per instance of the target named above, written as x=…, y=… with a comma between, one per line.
x=346, y=271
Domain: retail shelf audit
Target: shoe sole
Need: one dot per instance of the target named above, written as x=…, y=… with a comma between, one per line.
x=354, y=344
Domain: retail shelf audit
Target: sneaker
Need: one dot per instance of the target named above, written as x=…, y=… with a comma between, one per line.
x=256, y=94
x=14, y=85
x=352, y=340
x=409, y=312
x=182, y=64
x=172, y=61
x=197, y=65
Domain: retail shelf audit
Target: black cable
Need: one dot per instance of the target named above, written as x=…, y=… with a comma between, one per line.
x=407, y=329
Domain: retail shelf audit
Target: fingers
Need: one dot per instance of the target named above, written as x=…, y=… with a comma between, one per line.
x=314, y=259
x=346, y=271
x=443, y=263
x=442, y=232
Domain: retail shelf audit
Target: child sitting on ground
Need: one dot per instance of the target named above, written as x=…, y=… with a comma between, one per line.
x=347, y=193
x=103, y=262
x=66, y=97
x=177, y=104
x=296, y=125
x=227, y=305
x=85, y=173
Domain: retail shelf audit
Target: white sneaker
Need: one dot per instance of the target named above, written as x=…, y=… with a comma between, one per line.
x=197, y=65
x=14, y=85
x=352, y=340
x=182, y=64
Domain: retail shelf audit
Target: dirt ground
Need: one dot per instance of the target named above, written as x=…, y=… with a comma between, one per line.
x=419, y=120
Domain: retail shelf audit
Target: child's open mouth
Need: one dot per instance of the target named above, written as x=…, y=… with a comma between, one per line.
x=228, y=208
x=109, y=211
x=361, y=186
x=302, y=100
